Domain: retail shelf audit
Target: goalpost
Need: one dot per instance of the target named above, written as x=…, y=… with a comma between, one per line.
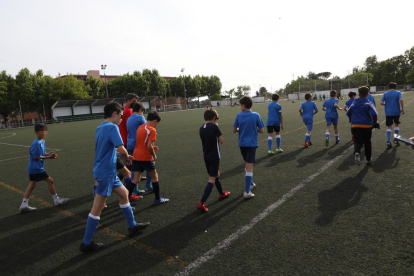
x=172, y=107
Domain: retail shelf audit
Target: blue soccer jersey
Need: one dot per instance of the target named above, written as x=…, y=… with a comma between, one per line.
x=273, y=115
x=107, y=138
x=133, y=123
x=371, y=99
x=392, y=103
x=248, y=123
x=330, y=108
x=37, y=149
x=308, y=108
x=349, y=102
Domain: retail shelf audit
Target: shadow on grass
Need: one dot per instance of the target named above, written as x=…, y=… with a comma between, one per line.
x=240, y=169
x=283, y=157
x=343, y=196
x=387, y=160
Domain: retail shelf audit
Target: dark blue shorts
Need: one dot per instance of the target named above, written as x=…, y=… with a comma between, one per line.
x=140, y=166
x=249, y=154
x=330, y=121
x=271, y=128
x=119, y=164
x=212, y=167
x=390, y=120
x=38, y=177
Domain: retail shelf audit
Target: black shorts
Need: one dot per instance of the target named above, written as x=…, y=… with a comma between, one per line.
x=271, y=128
x=390, y=120
x=249, y=154
x=212, y=167
x=38, y=177
x=140, y=166
x=119, y=164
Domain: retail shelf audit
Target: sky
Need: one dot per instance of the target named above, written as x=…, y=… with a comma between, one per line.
x=255, y=43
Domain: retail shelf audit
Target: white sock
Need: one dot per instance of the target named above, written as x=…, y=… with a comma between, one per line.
x=25, y=202
x=55, y=197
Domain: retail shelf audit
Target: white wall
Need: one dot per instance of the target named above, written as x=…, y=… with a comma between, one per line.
x=98, y=109
x=145, y=104
x=80, y=110
x=62, y=111
x=346, y=91
x=258, y=99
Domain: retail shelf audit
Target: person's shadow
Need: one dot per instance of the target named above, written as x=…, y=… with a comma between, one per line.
x=345, y=195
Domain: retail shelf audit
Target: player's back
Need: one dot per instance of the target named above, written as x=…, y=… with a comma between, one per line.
x=349, y=102
x=134, y=122
x=273, y=115
x=308, y=107
x=371, y=99
x=209, y=134
x=330, y=108
x=107, y=138
x=392, y=102
x=37, y=149
x=248, y=123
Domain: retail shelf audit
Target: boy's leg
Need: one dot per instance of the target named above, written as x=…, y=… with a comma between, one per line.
x=278, y=140
x=208, y=189
x=122, y=192
x=336, y=133
x=269, y=141
x=367, y=143
x=137, y=169
x=25, y=203
x=396, y=131
x=148, y=185
x=51, y=187
x=359, y=141
x=93, y=218
x=155, y=184
x=248, y=179
x=218, y=184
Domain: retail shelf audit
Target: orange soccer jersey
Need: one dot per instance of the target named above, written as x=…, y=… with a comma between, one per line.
x=145, y=133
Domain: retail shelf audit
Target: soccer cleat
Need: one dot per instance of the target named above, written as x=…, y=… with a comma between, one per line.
x=396, y=142
x=309, y=143
x=139, y=227
x=353, y=139
x=137, y=191
x=202, y=207
x=252, y=186
x=270, y=152
x=327, y=142
x=161, y=200
x=337, y=141
x=148, y=188
x=357, y=159
x=248, y=195
x=279, y=150
x=90, y=248
x=369, y=162
x=61, y=201
x=389, y=145
x=26, y=209
x=134, y=198
x=305, y=145
x=225, y=195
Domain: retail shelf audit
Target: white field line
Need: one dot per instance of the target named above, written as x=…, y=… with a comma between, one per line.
x=14, y=158
x=225, y=243
x=26, y=146
x=12, y=134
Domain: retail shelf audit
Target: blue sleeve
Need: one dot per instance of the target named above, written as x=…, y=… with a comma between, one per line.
x=260, y=123
x=324, y=104
x=316, y=107
x=280, y=109
x=349, y=112
x=36, y=150
x=399, y=95
x=383, y=98
x=115, y=137
x=373, y=101
x=236, y=122
x=301, y=106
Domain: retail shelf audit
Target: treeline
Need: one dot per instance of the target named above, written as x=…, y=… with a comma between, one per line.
x=37, y=90
x=398, y=69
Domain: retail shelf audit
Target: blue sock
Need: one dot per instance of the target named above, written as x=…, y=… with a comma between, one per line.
x=306, y=138
x=248, y=180
x=388, y=135
x=397, y=130
x=91, y=226
x=336, y=137
x=278, y=139
x=327, y=135
x=207, y=192
x=269, y=143
x=218, y=186
x=127, y=181
x=94, y=191
x=129, y=215
x=148, y=181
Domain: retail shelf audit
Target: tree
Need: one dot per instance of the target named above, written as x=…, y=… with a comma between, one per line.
x=8, y=100
x=324, y=75
x=313, y=75
x=215, y=97
x=213, y=86
x=242, y=90
x=360, y=78
x=97, y=87
x=410, y=76
x=230, y=92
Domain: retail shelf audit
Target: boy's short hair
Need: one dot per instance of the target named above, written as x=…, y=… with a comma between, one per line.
x=332, y=93
x=369, y=87
x=275, y=97
x=351, y=94
x=209, y=114
x=392, y=85
x=40, y=127
x=363, y=91
x=247, y=101
x=153, y=116
x=130, y=96
x=137, y=107
x=110, y=108
x=308, y=96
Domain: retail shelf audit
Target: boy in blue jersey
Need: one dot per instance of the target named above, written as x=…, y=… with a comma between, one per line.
x=363, y=118
x=136, y=120
x=331, y=116
x=248, y=124
x=274, y=122
x=352, y=96
x=36, y=169
x=210, y=135
x=370, y=97
x=107, y=141
x=307, y=110
x=392, y=100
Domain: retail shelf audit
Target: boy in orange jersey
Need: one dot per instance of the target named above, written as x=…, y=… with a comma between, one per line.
x=145, y=157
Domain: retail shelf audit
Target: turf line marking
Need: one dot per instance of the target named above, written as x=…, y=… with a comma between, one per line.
x=225, y=243
x=152, y=251
x=14, y=158
x=12, y=134
x=26, y=146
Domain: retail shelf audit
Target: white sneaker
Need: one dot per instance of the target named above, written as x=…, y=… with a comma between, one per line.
x=248, y=195
x=252, y=186
x=357, y=159
x=26, y=209
x=61, y=201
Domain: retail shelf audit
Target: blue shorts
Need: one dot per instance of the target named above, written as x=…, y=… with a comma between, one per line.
x=105, y=185
x=140, y=166
x=308, y=123
x=38, y=177
x=249, y=154
x=330, y=121
x=212, y=167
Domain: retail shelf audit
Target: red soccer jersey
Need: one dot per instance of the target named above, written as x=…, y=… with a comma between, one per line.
x=123, y=125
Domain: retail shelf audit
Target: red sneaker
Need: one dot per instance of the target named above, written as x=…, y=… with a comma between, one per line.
x=202, y=207
x=309, y=143
x=226, y=195
x=134, y=198
x=305, y=145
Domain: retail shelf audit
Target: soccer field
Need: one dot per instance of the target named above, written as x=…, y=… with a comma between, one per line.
x=314, y=212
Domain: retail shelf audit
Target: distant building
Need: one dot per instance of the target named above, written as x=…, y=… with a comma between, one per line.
x=96, y=75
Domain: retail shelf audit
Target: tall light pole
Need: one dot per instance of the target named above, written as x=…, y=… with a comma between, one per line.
x=103, y=67
x=185, y=93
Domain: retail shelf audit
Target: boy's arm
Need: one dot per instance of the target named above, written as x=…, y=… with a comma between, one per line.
x=235, y=129
x=301, y=112
x=337, y=106
x=261, y=130
x=122, y=151
x=220, y=139
x=402, y=106
x=281, y=121
x=316, y=111
x=151, y=150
